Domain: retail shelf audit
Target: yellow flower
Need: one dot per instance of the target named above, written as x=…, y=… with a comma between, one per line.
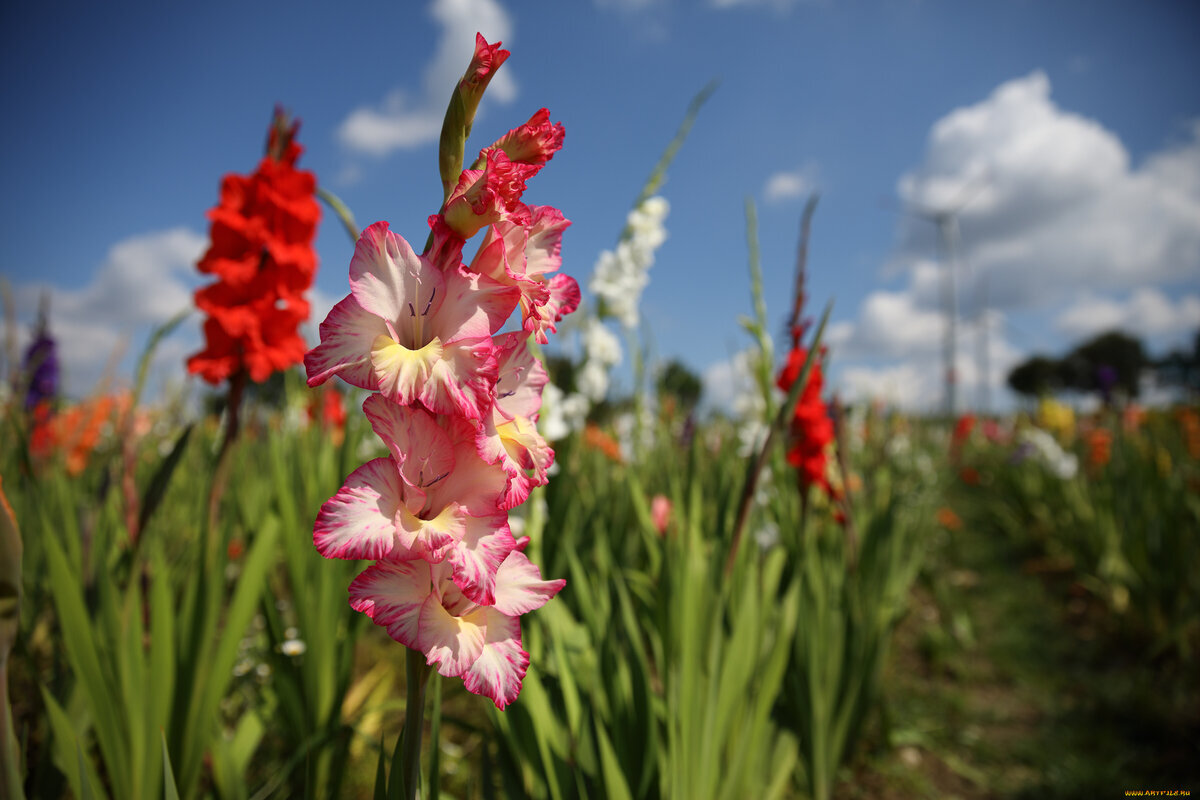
x=1056, y=417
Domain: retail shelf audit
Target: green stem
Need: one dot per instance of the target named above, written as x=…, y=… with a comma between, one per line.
x=237, y=383
x=780, y=422
x=417, y=672
x=342, y=211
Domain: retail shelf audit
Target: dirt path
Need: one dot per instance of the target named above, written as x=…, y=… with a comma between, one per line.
x=1010, y=681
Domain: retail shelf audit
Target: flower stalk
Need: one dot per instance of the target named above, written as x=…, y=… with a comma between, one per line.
x=456, y=402
x=786, y=411
x=417, y=674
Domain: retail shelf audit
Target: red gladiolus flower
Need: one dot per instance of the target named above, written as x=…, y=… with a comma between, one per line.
x=812, y=427
x=262, y=255
x=962, y=429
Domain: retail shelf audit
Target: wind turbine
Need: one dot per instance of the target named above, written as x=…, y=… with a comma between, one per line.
x=945, y=219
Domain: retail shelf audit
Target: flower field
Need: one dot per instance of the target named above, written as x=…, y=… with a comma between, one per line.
x=431, y=554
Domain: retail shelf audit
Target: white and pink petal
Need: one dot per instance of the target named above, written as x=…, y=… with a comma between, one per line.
x=392, y=594
x=521, y=377
x=543, y=249
x=474, y=306
x=476, y=557
x=432, y=538
x=390, y=280
x=516, y=447
x=417, y=442
x=499, y=669
x=359, y=522
x=347, y=336
x=462, y=381
x=520, y=587
x=564, y=297
x=451, y=642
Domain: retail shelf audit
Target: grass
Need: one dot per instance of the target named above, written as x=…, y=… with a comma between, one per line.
x=1011, y=681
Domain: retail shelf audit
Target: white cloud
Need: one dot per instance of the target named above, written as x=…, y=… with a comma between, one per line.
x=725, y=382
x=1147, y=312
x=916, y=381
x=889, y=324
x=1049, y=201
x=1046, y=202
x=902, y=386
x=630, y=6
x=777, y=5
x=406, y=119
x=790, y=185
x=144, y=281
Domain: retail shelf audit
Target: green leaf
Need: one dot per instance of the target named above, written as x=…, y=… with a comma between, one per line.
x=615, y=787
x=81, y=775
x=157, y=487
x=170, y=791
x=84, y=658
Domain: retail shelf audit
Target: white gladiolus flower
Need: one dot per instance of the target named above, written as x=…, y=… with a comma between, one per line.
x=592, y=381
x=600, y=344
x=1063, y=464
x=620, y=277
x=575, y=408
x=552, y=422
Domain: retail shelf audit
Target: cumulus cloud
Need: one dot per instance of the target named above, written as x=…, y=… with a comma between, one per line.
x=406, y=118
x=629, y=6
x=916, y=380
x=144, y=281
x=905, y=386
x=1048, y=201
x=1146, y=312
x=790, y=185
x=890, y=324
x=777, y=5
x=725, y=382
x=1055, y=219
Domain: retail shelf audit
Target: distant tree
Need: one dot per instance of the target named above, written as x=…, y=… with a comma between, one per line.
x=1113, y=360
x=1181, y=368
x=1036, y=376
x=562, y=372
x=677, y=381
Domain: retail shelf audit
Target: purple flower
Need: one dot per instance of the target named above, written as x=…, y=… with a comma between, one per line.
x=1106, y=380
x=40, y=366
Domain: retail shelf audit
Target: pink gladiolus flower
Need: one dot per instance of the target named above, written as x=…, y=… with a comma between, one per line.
x=423, y=608
x=483, y=66
x=522, y=256
x=488, y=195
x=509, y=437
x=660, y=513
x=412, y=331
x=535, y=142
x=455, y=403
x=434, y=499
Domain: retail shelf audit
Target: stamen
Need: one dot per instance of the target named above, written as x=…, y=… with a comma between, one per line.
x=506, y=394
x=429, y=305
x=412, y=312
x=432, y=482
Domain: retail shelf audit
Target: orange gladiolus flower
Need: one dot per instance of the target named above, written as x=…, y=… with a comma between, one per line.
x=1099, y=444
x=948, y=519
x=75, y=431
x=597, y=439
x=1189, y=420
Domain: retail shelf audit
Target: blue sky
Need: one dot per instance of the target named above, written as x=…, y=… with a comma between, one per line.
x=1071, y=128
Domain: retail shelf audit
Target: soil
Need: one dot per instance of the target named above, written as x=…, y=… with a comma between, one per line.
x=1008, y=679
